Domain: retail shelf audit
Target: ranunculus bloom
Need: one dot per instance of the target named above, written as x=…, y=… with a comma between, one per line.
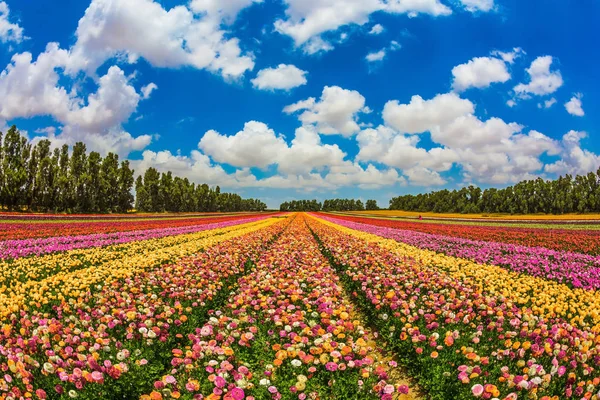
x=477, y=390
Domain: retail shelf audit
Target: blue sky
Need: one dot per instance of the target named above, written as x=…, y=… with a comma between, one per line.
x=283, y=99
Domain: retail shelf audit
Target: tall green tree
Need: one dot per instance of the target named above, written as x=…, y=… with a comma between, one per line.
x=125, y=185
x=14, y=167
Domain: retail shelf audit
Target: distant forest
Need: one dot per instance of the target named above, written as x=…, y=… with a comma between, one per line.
x=568, y=194
x=34, y=177
x=328, y=205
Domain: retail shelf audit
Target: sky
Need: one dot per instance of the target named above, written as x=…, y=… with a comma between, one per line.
x=302, y=99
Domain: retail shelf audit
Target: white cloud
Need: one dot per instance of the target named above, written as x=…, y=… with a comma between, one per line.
x=423, y=115
x=376, y=56
x=377, y=29
x=489, y=151
x=9, y=32
x=352, y=174
x=304, y=165
x=28, y=89
x=509, y=56
x=478, y=5
x=306, y=20
x=317, y=45
x=542, y=80
x=112, y=104
x=480, y=72
x=148, y=89
x=381, y=54
x=414, y=7
x=573, y=159
x=283, y=77
x=334, y=113
x=548, y=103
x=165, y=38
x=574, y=106
x=255, y=146
x=424, y=177
x=225, y=11
x=259, y=146
x=31, y=89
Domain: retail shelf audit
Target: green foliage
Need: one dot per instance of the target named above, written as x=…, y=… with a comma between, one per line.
x=561, y=196
x=372, y=205
x=328, y=205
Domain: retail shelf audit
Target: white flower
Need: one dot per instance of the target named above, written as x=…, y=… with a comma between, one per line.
x=265, y=382
x=296, y=362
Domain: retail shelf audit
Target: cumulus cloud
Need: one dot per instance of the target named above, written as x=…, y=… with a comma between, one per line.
x=283, y=77
x=9, y=31
x=424, y=177
x=254, y=146
x=478, y=5
x=548, y=103
x=422, y=115
x=488, y=151
x=509, y=56
x=259, y=146
x=573, y=159
x=376, y=56
x=480, y=72
x=381, y=54
x=112, y=104
x=335, y=113
x=176, y=37
x=542, y=82
x=165, y=38
x=31, y=88
x=377, y=29
x=305, y=163
x=305, y=21
x=148, y=89
x=574, y=106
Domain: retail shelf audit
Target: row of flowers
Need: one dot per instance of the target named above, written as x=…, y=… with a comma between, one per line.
x=575, y=240
x=32, y=229
x=574, y=269
x=35, y=282
x=287, y=333
x=462, y=341
x=17, y=248
x=115, y=341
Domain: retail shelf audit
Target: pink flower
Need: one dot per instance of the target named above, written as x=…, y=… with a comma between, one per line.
x=170, y=379
x=206, y=330
x=237, y=393
x=388, y=389
x=97, y=376
x=477, y=390
x=220, y=382
x=331, y=366
x=403, y=389
x=272, y=389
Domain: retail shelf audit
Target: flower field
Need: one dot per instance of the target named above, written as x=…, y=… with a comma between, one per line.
x=297, y=306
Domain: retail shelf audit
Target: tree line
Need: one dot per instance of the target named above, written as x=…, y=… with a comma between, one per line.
x=568, y=194
x=328, y=205
x=158, y=192
x=36, y=178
